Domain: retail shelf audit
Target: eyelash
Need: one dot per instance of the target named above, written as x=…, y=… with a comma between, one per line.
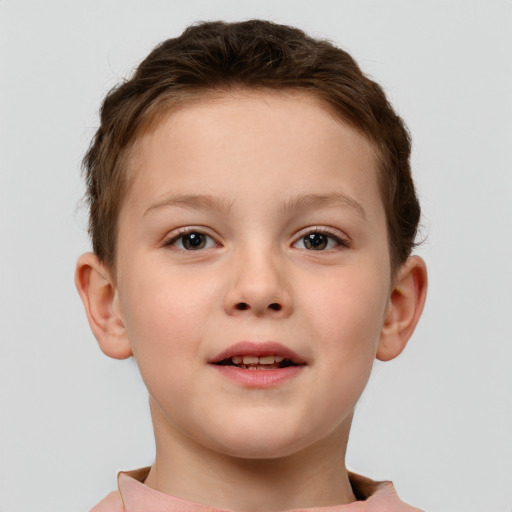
x=183, y=233
x=340, y=241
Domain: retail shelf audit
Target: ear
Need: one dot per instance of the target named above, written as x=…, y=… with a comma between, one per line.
x=98, y=292
x=404, y=308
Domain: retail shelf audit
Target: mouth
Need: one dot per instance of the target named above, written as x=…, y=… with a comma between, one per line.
x=256, y=365
x=249, y=355
x=245, y=362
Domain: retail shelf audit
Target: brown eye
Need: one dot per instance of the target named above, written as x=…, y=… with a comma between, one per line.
x=192, y=241
x=315, y=241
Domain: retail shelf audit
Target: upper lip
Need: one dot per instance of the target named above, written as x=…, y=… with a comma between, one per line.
x=258, y=349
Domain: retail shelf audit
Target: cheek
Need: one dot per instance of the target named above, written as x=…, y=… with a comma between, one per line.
x=347, y=313
x=346, y=318
x=163, y=321
x=164, y=299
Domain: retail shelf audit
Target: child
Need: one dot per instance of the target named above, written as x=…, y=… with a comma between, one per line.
x=252, y=215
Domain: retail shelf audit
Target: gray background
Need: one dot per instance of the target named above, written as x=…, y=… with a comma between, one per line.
x=437, y=421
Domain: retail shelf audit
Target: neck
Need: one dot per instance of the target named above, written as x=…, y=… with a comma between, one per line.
x=313, y=477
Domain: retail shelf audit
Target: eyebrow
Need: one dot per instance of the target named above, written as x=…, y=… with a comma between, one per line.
x=315, y=201
x=298, y=202
x=191, y=201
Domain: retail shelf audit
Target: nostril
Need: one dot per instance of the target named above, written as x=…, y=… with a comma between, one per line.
x=242, y=306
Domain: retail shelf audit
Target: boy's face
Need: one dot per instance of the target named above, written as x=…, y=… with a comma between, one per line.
x=253, y=226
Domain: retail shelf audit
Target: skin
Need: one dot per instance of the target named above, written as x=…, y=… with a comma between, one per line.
x=255, y=172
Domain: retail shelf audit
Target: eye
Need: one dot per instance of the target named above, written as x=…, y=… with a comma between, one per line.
x=192, y=241
x=319, y=241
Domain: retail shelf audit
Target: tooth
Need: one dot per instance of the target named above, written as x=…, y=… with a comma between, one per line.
x=279, y=359
x=267, y=360
x=237, y=359
x=251, y=359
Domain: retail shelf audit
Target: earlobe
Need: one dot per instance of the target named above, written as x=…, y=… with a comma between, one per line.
x=99, y=295
x=404, y=308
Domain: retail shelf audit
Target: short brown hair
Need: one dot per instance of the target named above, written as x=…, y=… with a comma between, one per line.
x=253, y=54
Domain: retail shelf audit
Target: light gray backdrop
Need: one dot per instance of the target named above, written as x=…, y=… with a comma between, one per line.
x=437, y=421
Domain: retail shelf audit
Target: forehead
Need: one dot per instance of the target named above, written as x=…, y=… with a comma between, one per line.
x=233, y=142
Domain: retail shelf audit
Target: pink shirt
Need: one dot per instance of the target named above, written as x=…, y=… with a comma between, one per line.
x=134, y=496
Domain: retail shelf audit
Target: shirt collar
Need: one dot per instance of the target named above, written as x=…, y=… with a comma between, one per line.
x=138, y=497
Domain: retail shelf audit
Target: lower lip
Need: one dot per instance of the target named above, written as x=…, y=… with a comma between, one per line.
x=259, y=378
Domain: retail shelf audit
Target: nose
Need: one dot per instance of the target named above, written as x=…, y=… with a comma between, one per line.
x=258, y=286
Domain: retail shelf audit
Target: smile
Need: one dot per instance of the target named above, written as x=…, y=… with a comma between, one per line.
x=258, y=365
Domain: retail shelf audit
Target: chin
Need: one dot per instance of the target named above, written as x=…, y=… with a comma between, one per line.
x=260, y=451
x=263, y=441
